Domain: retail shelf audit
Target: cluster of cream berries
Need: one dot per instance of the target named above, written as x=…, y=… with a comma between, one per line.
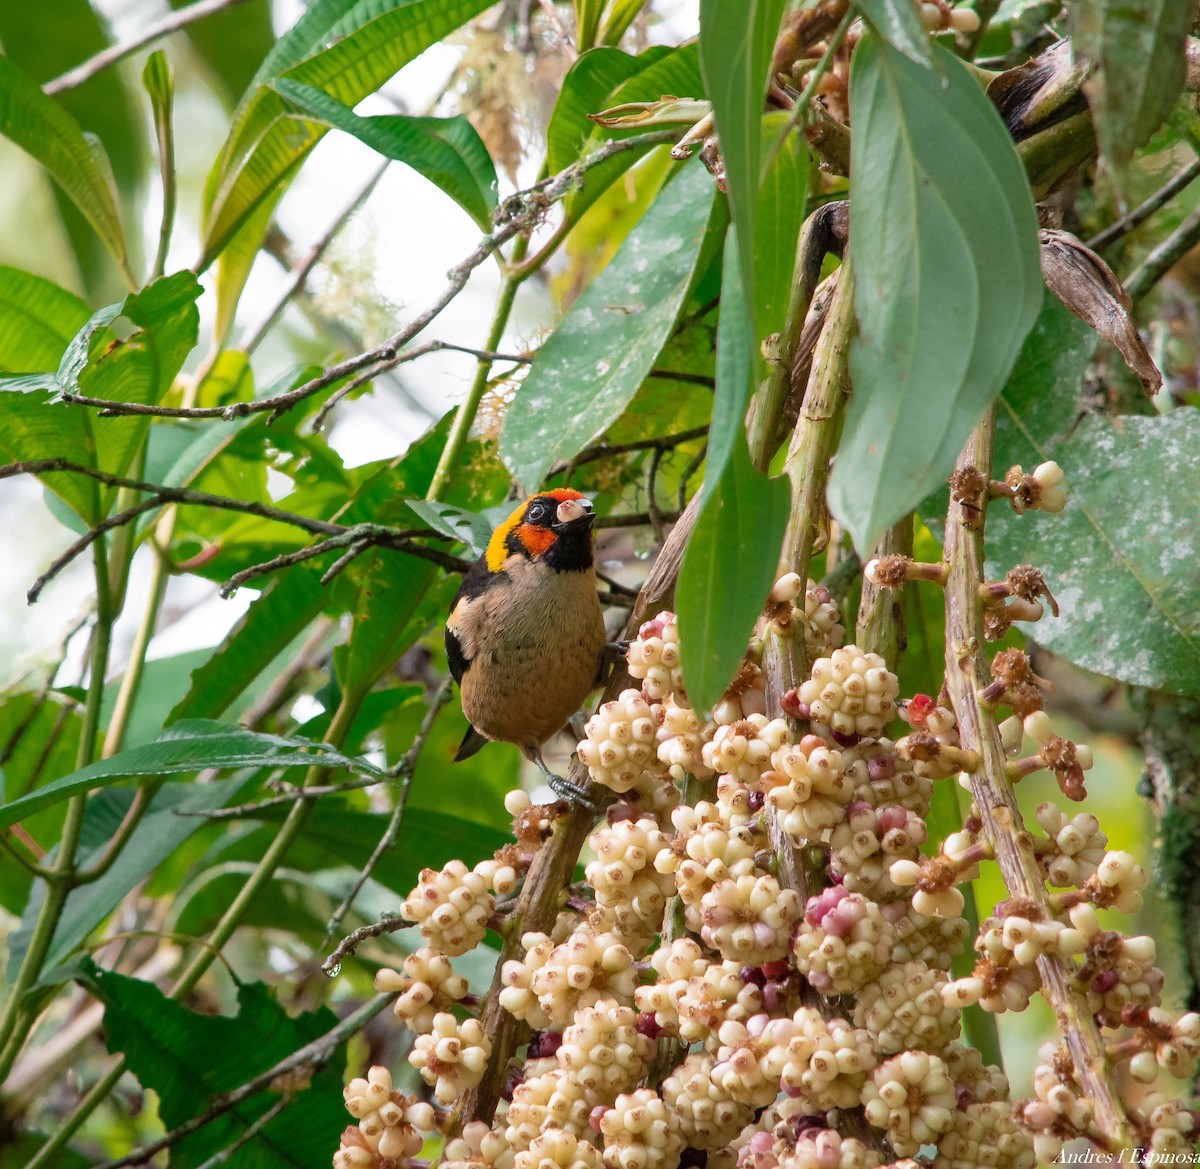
x=686, y=952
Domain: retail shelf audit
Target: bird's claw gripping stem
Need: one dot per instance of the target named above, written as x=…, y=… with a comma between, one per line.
x=562, y=787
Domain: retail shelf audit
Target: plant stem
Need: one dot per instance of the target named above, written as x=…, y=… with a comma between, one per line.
x=996, y=802
x=16, y=1022
x=464, y=418
x=881, y=625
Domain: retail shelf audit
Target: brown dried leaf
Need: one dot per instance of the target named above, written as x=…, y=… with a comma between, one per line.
x=1086, y=285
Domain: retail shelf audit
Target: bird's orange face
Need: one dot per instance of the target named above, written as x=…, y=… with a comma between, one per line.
x=535, y=527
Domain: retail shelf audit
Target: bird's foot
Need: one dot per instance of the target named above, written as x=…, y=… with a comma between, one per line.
x=614, y=651
x=562, y=787
x=574, y=794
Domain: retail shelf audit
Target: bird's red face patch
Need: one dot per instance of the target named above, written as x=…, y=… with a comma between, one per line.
x=536, y=539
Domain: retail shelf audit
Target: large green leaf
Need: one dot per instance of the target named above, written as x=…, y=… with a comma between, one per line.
x=736, y=42
x=777, y=226
x=898, y=23
x=44, y=41
x=188, y=1058
x=728, y=568
x=948, y=281
x=371, y=40
x=42, y=128
x=592, y=364
x=97, y=363
x=1138, y=47
x=192, y=745
x=676, y=71
x=1121, y=558
x=447, y=151
x=174, y=815
x=584, y=90
x=37, y=321
x=720, y=596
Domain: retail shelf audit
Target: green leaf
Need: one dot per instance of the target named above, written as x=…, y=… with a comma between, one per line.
x=37, y=321
x=589, y=81
x=272, y=623
x=159, y=83
x=592, y=364
x=471, y=528
x=728, y=568
x=174, y=815
x=42, y=128
x=898, y=23
x=676, y=71
x=192, y=745
x=1121, y=558
x=947, y=278
x=188, y=1058
x=735, y=364
x=587, y=22
x=45, y=41
x=777, y=225
x=267, y=145
x=621, y=14
x=736, y=42
x=447, y=151
x=1138, y=47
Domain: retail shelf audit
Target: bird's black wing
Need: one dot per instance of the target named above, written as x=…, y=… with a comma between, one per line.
x=477, y=581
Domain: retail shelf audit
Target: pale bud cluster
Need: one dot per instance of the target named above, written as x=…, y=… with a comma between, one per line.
x=743, y=749
x=452, y=906
x=451, y=1057
x=603, y=1050
x=390, y=1124
x=681, y=740
x=912, y=1097
x=640, y=1133
x=843, y=943
x=904, y=1009
x=631, y=893
x=940, y=16
x=553, y=981
x=621, y=741
x=851, y=692
x=1076, y=845
x=749, y=918
x=653, y=657
x=808, y=785
x=427, y=985
x=1040, y=490
x=815, y=615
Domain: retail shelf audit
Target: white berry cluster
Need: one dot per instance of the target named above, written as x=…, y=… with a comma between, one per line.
x=690, y=1005
x=852, y=693
x=621, y=741
x=390, y=1124
x=452, y=906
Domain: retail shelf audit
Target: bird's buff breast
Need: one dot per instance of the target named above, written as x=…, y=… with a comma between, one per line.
x=534, y=642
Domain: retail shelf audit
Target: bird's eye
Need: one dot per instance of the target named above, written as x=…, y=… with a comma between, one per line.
x=537, y=513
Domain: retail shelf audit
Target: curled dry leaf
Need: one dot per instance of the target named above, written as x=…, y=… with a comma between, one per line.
x=1086, y=285
x=1040, y=91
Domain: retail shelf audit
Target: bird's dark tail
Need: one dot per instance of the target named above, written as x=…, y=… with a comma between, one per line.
x=471, y=743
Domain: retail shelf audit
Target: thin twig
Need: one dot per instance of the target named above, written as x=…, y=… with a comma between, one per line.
x=114, y=53
x=594, y=454
x=389, y=923
x=399, y=540
x=637, y=519
x=358, y=539
x=1003, y=824
x=219, y=1158
x=1139, y=215
x=314, y=1056
x=1164, y=257
x=517, y=214
x=404, y=771
x=302, y=269
x=243, y=811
